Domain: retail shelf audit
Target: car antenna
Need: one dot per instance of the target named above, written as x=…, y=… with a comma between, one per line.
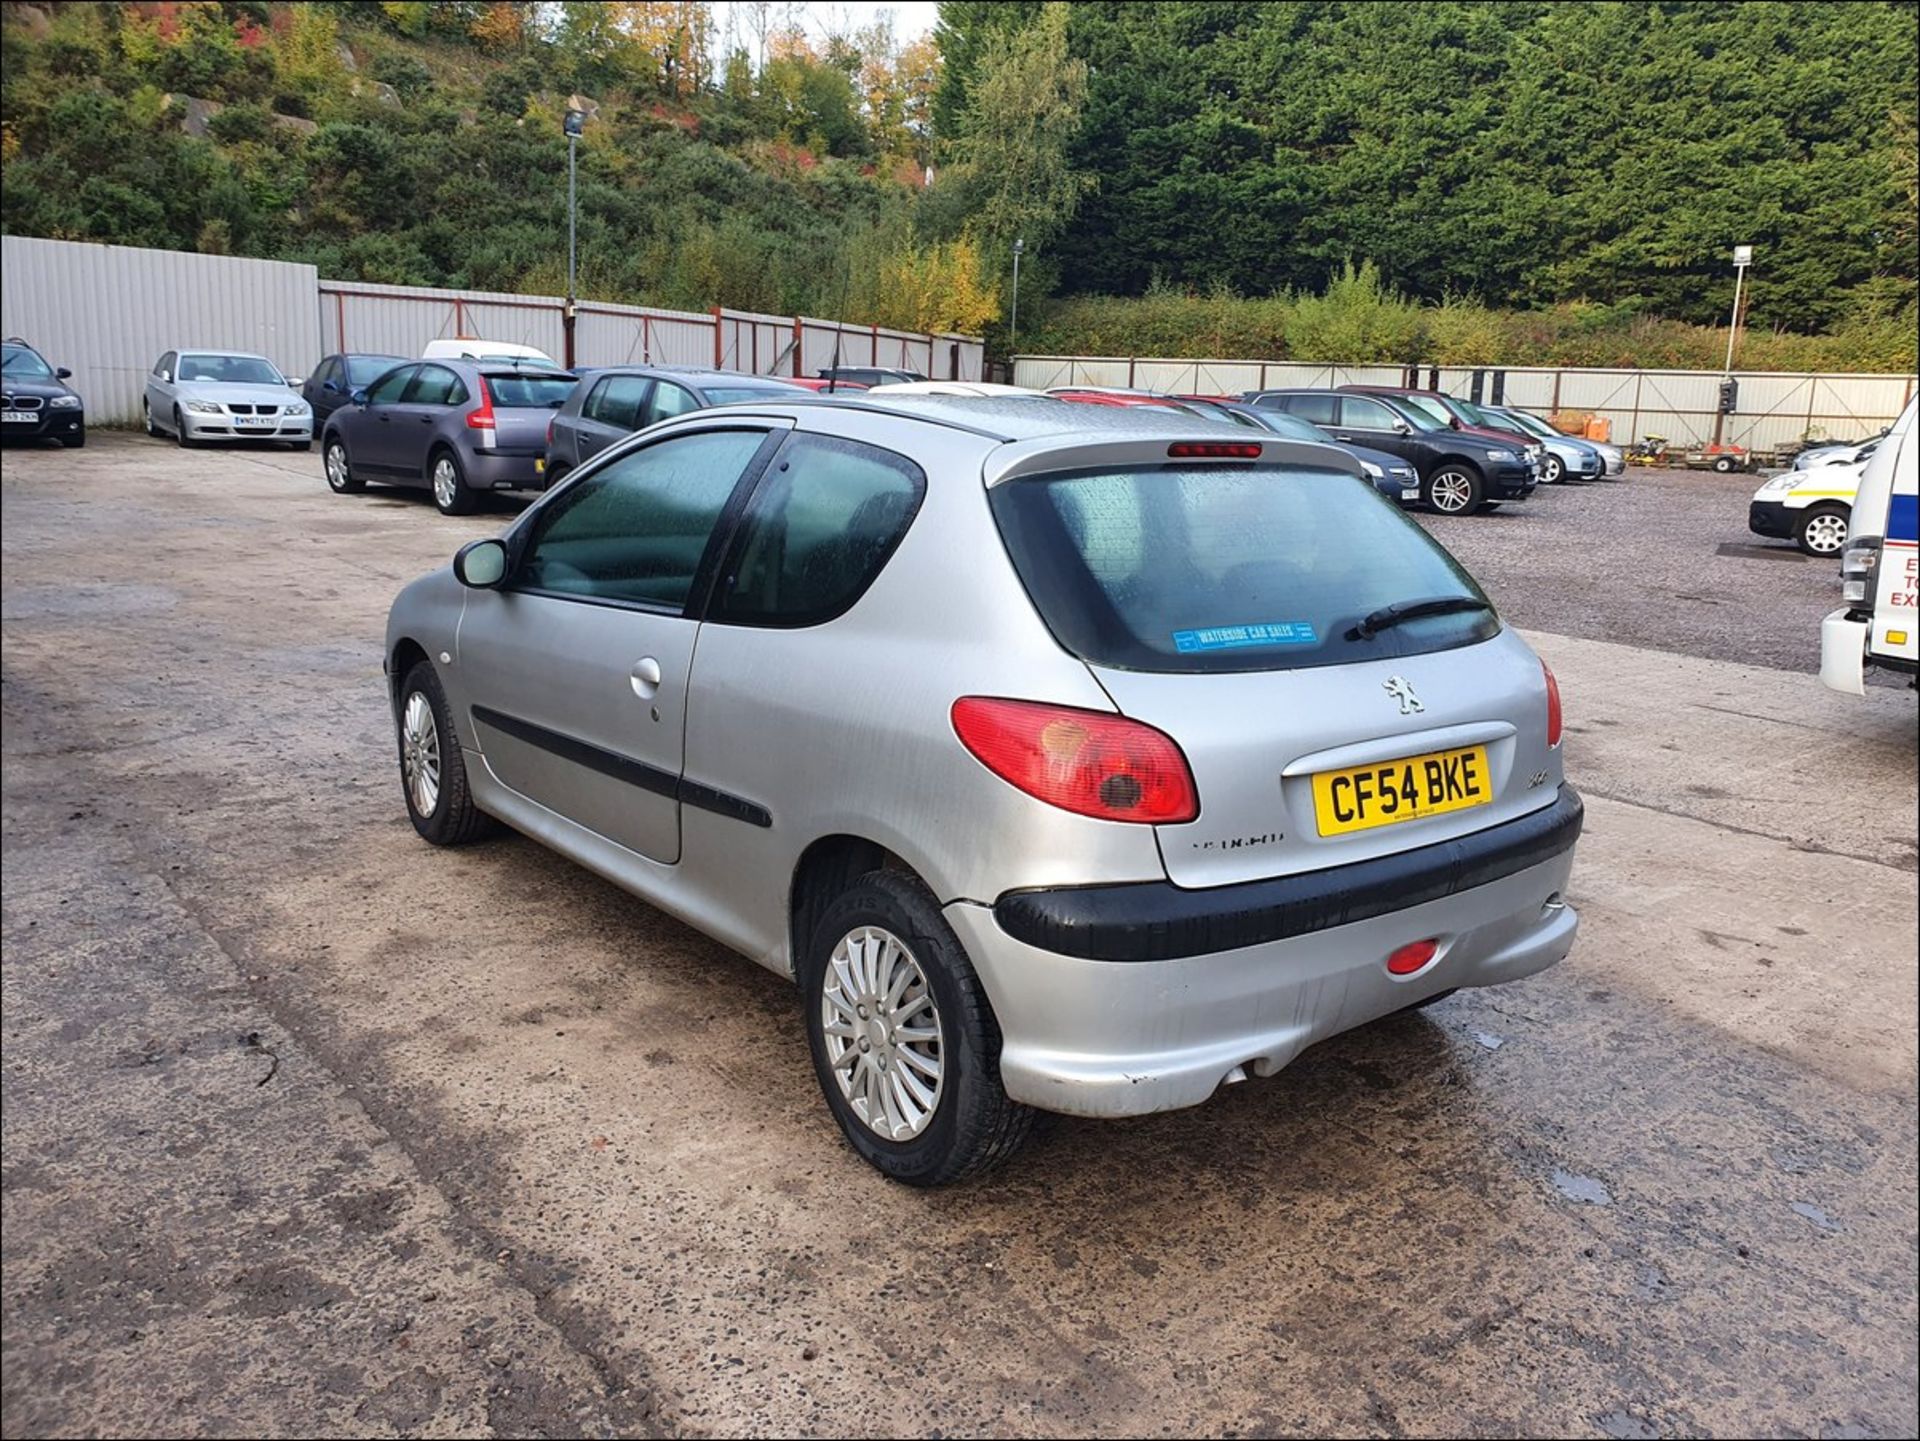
x=839, y=329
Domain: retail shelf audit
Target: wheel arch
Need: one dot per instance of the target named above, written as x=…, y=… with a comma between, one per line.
x=407, y=653
x=825, y=868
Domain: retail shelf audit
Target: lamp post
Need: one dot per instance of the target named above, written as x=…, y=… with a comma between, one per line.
x=1742, y=258
x=1013, y=324
x=575, y=122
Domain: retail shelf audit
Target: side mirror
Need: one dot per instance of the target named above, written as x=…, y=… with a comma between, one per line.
x=294, y=382
x=63, y=374
x=1454, y=422
x=166, y=377
x=331, y=385
x=1400, y=427
x=481, y=564
x=359, y=397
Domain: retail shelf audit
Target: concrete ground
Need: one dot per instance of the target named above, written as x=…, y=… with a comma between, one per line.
x=310, y=1128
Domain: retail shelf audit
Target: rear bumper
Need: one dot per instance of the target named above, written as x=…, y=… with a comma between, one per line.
x=1105, y=1038
x=490, y=470
x=1843, y=652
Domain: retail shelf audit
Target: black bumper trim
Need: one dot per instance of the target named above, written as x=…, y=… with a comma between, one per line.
x=1770, y=518
x=1159, y=921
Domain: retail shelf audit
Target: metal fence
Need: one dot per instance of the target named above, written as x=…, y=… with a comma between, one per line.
x=1774, y=408
x=107, y=312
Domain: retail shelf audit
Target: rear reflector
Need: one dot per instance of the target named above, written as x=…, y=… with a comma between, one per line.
x=1408, y=959
x=1214, y=450
x=1553, y=707
x=1088, y=762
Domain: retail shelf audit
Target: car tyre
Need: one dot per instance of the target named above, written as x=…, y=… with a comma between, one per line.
x=1553, y=471
x=74, y=442
x=146, y=420
x=300, y=445
x=556, y=475
x=1821, y=530
x=433, y=768
x=339, y=467
x=449, y=483
x=1455, y=488
x=185, y=441
x=1724, y=463
x=881, y=943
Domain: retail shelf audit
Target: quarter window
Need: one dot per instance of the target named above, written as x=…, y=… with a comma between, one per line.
x=635, y=531
x=616, y=401
x=1363, y=414
x=1316, y=408
x=388, y=389
x=670, y=400
x=823, y=521
x=435, y=385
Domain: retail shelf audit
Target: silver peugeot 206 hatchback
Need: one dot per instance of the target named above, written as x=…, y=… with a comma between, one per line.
x=1068, y=758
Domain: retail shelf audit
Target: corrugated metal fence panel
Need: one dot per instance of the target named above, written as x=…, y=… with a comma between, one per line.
x=107, y=312
x=1774, y=409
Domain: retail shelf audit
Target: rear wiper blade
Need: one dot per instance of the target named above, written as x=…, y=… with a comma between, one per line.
x=1392, y=615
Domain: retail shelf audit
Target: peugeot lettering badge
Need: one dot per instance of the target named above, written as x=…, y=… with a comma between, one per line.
x=1397, y=687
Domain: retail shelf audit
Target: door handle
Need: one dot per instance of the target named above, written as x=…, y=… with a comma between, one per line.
x=646, y=677
x=385, y=418
x=426, y=420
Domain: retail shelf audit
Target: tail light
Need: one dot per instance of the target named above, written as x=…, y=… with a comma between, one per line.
x=1214, y=450
x=550, y=420
x=482, y=418
x=1553, y=706
x=1087, y=762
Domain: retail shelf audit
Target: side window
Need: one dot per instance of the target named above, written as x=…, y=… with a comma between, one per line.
x=822, y=523
x=1316, y=408
x=433, y=385
x=670, y=400
x=388, y=389
x=164, y=365
x=616, y=401
x=330, y=371
x=1361, y=413
x=636, y=530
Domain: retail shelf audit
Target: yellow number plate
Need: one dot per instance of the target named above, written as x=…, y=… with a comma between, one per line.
x=1362, y=797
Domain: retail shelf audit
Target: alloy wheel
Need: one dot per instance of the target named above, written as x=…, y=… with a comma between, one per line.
x=1826, y=534
x=883, y=1033
x=1554, y=473
x=420, y=753
x=337, y=472
x=446, y=482
x=1452, y=491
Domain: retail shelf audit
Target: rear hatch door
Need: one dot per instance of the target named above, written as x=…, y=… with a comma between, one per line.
x=523, y=403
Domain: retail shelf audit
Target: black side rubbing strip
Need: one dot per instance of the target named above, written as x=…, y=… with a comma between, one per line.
x=624, y=768
x=1158, y=921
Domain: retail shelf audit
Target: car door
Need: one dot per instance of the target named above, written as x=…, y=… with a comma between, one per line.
x=371, y=434
x=160, y=388
x=314, y=391
x=575, y=671
x=1365, y=421
x=432, y=392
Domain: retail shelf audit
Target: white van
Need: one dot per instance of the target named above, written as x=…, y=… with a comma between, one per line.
x=1879, y=569
x=495, y=350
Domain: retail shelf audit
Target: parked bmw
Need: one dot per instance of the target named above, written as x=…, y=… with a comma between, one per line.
x=36, y=403
x=457, y=427
x=612, y=403
x=336, y=377
x=209, y=395
x=1072, y=758
x=1568, y=457
x=1460, y=471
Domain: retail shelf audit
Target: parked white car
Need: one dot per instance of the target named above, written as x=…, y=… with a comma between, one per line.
x=206, y=395
x=1808, y=507
x=1838, y=454
x=487, y=352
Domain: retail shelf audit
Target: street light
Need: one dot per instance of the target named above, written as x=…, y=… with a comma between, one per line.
x=572, y=125
x=1742, y=258
x=1013, y=325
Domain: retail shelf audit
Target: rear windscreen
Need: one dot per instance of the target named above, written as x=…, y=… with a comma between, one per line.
x=530, y=391
x=1228, y=568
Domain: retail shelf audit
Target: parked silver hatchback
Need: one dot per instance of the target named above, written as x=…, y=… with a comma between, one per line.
x=1069, y=758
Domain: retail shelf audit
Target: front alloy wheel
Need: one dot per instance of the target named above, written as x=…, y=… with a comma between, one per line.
x=1823, y=530
x=340, y=478
x=1554, y=471
x=420, y=754
x=433, y=772
x=882, y=1032
x=1453, y=490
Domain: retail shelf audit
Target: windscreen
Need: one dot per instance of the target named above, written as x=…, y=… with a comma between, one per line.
x=1229, y=568
x=365, y=369
x=18, y=360
x=1429, y=407
x=530, y=392
x=230, y=370
x=1291, y=426
x=735, y=394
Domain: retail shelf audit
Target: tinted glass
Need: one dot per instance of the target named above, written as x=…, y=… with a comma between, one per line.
x=230, y=370
x=435, y=385
x=1291, y=426
x=530, y=392
x=1227, y=568
x=1429, y=407
x=18, y=360
x=670, y=399
x=391, y=386
x=1364, y=414
x=616, y=401
x=635, y=531
x=824, y=520
x=164, y=364
x=1317, y=408
x=736, y=394
x=365, y=369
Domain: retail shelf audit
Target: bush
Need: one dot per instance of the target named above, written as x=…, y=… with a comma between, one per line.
x=408, y=76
